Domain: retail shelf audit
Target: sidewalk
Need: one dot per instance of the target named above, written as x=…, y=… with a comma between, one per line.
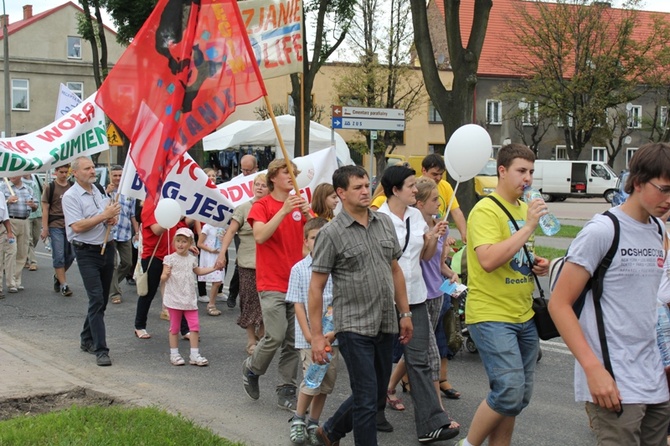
x=28, y=372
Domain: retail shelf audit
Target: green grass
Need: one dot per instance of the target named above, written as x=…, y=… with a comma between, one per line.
x=549, y=253
x=102, y=426
x=567, y=231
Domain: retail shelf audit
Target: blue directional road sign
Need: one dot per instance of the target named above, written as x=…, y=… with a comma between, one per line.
x=363, y=118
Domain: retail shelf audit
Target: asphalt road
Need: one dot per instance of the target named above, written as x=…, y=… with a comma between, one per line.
x=213, y=396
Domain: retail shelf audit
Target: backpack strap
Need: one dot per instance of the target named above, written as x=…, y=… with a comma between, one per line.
x=597, y=291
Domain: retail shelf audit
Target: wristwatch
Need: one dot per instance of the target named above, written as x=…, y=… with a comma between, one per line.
x=408, y=314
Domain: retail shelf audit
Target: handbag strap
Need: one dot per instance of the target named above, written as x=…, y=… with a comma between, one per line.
x=155, y=248
x=406, y=235
x=525, y=250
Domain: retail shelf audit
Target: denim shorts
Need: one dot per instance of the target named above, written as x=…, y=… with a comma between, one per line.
x=509, y=354
x=62, y=254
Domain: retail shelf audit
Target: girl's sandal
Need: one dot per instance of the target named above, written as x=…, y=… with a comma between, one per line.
x=213, y=311
x=395, y=403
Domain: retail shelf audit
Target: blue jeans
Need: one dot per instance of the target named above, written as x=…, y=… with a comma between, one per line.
x=62, y=255
x=509, y=353
x=368, y=361
x=96, y=272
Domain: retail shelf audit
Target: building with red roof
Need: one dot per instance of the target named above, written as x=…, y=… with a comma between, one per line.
x=45, y=50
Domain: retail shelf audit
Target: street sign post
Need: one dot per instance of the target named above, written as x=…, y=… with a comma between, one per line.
x=366, y=118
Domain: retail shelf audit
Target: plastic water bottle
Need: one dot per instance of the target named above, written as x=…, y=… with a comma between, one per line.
x=47, y=244
x=548, y=222
x=663, y=334
x=316, y=372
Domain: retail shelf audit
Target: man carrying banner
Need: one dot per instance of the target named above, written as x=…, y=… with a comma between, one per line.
x=7, y=242
x=87, y=215
x=277, y=221
x=35, y=221
x=20, y=204
x=53, y=225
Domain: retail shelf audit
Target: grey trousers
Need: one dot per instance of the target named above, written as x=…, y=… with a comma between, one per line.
x=428, y=413
x=124, y=266
x=279, y=322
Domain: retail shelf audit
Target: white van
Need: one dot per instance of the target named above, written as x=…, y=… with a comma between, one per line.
x=558, y=180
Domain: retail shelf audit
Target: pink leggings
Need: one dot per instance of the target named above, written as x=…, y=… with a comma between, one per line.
x=191, y=317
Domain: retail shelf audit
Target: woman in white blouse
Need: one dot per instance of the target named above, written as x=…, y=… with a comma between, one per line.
x=417, y=242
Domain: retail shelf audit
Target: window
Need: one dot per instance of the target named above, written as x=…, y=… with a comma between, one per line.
x=76, y=88
x=433, y=114
x=530, y=112
x=436, y=148
x=559, y=123
x=20, y=94
x=73, y=47
x=635, y=117
x=629, y=154
x=663, y=117
x=494, y=154
x=599, y=154
x=561, y=153
x=493, y=112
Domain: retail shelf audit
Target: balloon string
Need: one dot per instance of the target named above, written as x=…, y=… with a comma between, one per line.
x=451, y=201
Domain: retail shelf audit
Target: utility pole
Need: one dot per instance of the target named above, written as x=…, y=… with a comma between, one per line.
x=8, y=101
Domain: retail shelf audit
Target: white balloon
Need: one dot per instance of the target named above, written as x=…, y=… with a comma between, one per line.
x=306, y=168
x=467, y=152
x=167, y=212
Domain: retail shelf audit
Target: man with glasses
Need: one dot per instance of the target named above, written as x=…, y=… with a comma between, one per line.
x=248, y=165
x=629, y=406
x=53, y=225
x=87, y=215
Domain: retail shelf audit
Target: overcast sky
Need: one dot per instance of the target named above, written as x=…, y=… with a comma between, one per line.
x=15, y=7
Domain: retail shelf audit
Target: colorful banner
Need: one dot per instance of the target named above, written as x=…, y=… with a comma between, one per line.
x=80, y=132
x=200, y=199
x=184, y=73
x=276, y=34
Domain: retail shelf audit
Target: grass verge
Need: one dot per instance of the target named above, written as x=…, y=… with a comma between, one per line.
x=107, y=426
x=566, y=231
x=549, y=253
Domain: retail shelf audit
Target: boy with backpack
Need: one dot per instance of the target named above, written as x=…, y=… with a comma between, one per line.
x=618, y=369
x=53, y=225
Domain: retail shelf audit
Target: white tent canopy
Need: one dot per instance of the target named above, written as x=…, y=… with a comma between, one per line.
x=262, y=133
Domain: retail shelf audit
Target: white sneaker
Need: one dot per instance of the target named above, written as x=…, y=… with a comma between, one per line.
x=204, y=299
x=199, y=360
x=221, y=297
x=177, y=359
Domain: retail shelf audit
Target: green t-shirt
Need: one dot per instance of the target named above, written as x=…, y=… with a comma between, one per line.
x=505, y=294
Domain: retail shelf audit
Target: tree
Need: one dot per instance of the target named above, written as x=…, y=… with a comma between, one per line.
x=262, y=112
x=583, y=58
x=128, y=17
x=456, y=105
x=382, y=82
x=332, y=17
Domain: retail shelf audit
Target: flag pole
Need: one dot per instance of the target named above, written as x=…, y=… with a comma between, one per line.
x=289, y=165
x=116, y=197
x=302, y=113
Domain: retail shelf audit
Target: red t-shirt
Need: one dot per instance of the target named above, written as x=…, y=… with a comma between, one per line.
x=149, y=239
x=276, y=257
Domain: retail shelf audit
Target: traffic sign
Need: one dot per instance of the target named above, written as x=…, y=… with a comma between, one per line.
x=113, y=136
x=366, y=118
x=373, y=134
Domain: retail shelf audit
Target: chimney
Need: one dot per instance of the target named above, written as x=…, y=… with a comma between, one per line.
x=27, y=12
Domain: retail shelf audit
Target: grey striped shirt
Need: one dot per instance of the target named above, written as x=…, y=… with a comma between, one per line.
x=359, y=261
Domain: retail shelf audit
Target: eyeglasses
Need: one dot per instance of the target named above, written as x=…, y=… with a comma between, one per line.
x=665, y=190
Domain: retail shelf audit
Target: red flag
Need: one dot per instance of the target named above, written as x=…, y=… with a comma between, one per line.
x=184, y=73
